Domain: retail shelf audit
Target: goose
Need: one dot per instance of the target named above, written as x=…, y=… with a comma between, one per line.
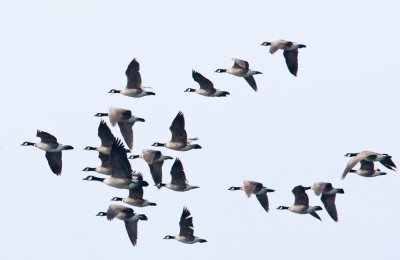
x=106, y=137
x=128, y=216
x=135, y=197
x=206, y=87
x=125, y=121
x=301, y=203
x=178, y=178
x=367, y=169
x=384, y=159
x=53, y=149
x=155, y=159
x=134, y=86
x=186, y=230
x=240, y=68
x=290, y=52
x=328, y=197
x=256, y=188
x=179, y=140
x=121, y=171
x=105, y=167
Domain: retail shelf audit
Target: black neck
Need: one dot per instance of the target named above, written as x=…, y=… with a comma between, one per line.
x=28, y=143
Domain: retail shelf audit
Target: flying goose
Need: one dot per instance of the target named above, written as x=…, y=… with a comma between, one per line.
x=290, y=52
x=186, y=230
x=252, y=187
x=384, y=159
x=240, y=68
x=105, y=167
x=206, y=87
x=367, y=169
x=155, y=159
x=301, y=203
x=135, y=197
x=178, y=178
x=125, y=121
x=121, y=171
x=106, y=137
x=134, y=86
x=53, y=150
x=328, y=197
x=128, y=216
x=179, y=140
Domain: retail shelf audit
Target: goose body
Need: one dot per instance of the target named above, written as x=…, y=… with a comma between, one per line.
x=186, y=232
x=179, y=140
x=128, y=216
x=367, y=159
x=134, y=86
x=178, y=179
x=53, y=149
x=256, y=188
x=290, y=52
x=301, y=203
x=206, y=87
x=241, y=68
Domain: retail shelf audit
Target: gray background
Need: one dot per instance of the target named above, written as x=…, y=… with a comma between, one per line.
x=60, y=58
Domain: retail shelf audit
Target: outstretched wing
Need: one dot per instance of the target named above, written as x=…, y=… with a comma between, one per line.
x=133, y=75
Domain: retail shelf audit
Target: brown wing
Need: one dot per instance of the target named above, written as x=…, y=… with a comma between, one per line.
x=300, y=196
x=156, y=172
x=114, y=210
x=263, y=199
x=177, y=129
x=251, y=187
x=291, y=60
x=127, y=133
x=131, y=229
x=150, y=155
x=251, y=82
x=46, y=137
x=136, y=193
x=279, y=44
x=116, y=114
x=367, y=165
x=105, y=134
x=120, y=166
x=55, y=162
x=133, y=75
x=353, y=161
x=242, y=64
x=319, y=187
x=177, y=173
x=186, y=223
x=105, y=160
x=204, y=83
x=329, y=204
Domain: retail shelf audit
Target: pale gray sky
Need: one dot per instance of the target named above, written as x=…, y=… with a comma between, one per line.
x=60, y=58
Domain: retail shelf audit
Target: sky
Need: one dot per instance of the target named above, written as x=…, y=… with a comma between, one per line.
x=60, y=58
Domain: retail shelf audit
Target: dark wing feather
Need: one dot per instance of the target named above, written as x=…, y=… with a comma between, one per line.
x=177, y=173
x=263, y=199
x=315, y=215
x=186, y=223
x=329, y=204
x=177, y=129
x=251, y=187
x=120, y=166
x=133, y=75
x=242, y=64
x=291, y=60
x=114, y=210
x=204, y=83
x=136, y=193
x=388, y=163
x=127, y=133
x=105, y=160
x=156, y=172
x=55, y=162
x=300, y=196
x=105, y=134
x=252, y=82
x=131, y=229
x=46, y=137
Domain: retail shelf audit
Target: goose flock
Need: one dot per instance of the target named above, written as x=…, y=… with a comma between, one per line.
x=117, y=172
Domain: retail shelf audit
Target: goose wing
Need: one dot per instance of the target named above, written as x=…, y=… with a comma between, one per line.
x=120, y=166
x=186, y=223
x=204, y=83
x=252, y=82
x=133, y=75
x=127, y=133
x=353, y=161
x=279, y=44
x=131, y=229
x=156, y=172
x=105, y=160
x=105, y=134
x=177, y=129
x=150, y=155
x=300, y=196
x=114, y=210
x=55, y=162
x=291, y=60
x=251, y=187
x=177, y=173
x=240, y=64
x=263, y=199
x=136, y=193
x=47, y=138
x=319, y=187
x=329, y=204
x=117, y=114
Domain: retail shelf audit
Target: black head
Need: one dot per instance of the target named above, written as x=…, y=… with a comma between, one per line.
x=350, y=154
x=101, y=214
x=116, y=199
x=282, y=207
x=169, y=237
x=220, y=70
x=89, y=169
x=234, y=188
x=168, y=158
x=90, y=148
x=134, y=156
x=160, y=185
x=101, y=114
x=90, y=178
x=114, y=91
x=190, y=90
x=266, y=44
x=27, y=144
x=158, y=144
